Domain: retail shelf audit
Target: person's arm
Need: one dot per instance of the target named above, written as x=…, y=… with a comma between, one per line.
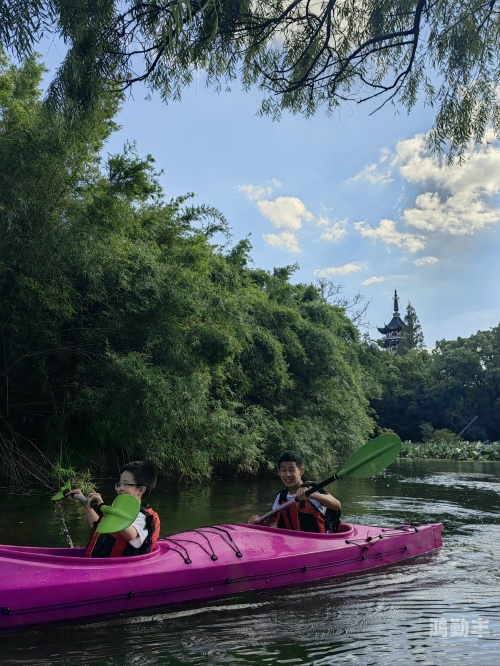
x=136, y=531
x=325, y=499
x=270, y=522
x=129, y=533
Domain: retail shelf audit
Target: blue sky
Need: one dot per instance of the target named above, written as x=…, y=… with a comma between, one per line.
x=356, y=199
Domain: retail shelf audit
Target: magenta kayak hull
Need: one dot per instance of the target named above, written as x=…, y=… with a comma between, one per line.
x=52, y=584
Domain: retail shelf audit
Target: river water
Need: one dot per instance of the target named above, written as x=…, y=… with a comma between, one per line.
x=440, y=608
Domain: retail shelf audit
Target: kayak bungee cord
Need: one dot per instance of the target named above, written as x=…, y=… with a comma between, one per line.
x=211, y=553
x=185, y=557
x=230, y=542
x=364, y=542
x=213, y=556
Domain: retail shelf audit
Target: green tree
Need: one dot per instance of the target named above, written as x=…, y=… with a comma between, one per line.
x=127, y=331
x=412, y=336
x=465, y=379
x=301, y=55
x=404, y=401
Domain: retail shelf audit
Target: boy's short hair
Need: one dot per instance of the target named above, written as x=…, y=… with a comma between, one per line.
x=144, y=474
x=290, y=456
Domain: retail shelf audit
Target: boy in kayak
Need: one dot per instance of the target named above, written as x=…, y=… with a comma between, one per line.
x=138, y=478
x=320, y=512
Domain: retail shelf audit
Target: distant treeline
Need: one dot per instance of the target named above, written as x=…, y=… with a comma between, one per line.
x=131, y=326
x=442, y=390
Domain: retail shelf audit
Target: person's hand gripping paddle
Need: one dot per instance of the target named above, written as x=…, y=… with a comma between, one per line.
x=120, y=515
x=368, y=460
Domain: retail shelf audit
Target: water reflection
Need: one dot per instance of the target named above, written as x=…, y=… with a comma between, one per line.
x=378, y=617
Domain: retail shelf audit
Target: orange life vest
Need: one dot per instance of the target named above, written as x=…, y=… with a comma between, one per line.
x=304, y=516
x=115, y=545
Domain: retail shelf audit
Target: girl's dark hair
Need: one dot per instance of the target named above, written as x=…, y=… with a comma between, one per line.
x=144, y=474
x=290, y=456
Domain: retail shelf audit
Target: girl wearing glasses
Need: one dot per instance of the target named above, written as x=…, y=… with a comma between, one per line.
x=138, y=479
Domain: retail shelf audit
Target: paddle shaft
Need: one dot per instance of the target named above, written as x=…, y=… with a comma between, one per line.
x=336, y=477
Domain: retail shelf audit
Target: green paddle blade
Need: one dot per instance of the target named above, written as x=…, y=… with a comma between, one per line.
x=120, y=515
x=373, y=457
x=59, y=495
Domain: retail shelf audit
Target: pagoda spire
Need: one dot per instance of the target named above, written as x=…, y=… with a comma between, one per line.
x=396, y=306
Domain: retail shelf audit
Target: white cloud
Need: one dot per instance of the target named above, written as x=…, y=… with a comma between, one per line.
x=461, y=213
x=372, y=175
x=286, y=240
x=388, y=234
x=373, y=280
x=353, y=267
x=255, y=192
x=457, y=199
x=422, y=261
x=385, y=153
x=335, y=232
x=285, y=212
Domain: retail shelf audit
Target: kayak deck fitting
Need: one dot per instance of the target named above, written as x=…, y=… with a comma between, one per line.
x=51, y=584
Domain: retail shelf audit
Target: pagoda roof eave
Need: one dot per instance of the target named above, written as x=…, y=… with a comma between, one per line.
x=396, y=324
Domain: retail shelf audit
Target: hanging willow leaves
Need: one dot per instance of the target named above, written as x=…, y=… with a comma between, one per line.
x=304, y=56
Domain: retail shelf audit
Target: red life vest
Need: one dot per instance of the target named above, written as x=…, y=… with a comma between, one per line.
x=304, y=516
x=115, y=545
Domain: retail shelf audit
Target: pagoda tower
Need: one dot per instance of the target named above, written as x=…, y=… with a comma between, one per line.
x=393, y=329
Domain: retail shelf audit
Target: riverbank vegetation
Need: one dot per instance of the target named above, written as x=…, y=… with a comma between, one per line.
x=446, y=450
x=132, y=326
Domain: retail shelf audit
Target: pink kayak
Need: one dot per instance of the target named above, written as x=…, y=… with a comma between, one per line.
x=49, y=584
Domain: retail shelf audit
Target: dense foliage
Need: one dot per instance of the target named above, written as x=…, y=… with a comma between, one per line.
x=303, y=55
x=463, y=450
x=442, y=390
x=126, y=330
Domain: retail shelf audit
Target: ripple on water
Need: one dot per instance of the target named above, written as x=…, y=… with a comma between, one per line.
x=473, y=481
